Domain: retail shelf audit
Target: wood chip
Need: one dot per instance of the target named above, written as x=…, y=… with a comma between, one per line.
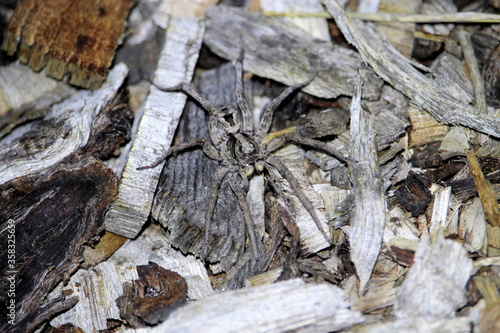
x=486, y=193
x=369, y=210
x=160, y=115
x=65, y=129
x=286, y=306
x=435, y=284
x=72, y=38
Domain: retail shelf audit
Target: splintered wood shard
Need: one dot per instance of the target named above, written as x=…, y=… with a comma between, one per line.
x=435, y=284
x=390, y=65
x=161, y=113
x=72, y=38
x=278, y=50
x=369, y=212
x=279, y=307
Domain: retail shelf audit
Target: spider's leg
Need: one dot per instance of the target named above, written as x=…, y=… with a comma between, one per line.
x=247, y=121
x=238, y=188
x=208, y=149
x=275, y=162
x=205, y=104
x=281, y=140
x=217, y=179
x=267, y=115
x=188, y=90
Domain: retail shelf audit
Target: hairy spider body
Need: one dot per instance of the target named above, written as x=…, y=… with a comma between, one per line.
x=241, y=152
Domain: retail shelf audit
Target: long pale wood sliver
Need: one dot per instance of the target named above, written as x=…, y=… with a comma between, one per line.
x=161, y=113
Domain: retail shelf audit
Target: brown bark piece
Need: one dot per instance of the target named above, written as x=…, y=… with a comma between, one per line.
x=414, y=195
x=53, y=214
x=72, y=38
x=152, y=297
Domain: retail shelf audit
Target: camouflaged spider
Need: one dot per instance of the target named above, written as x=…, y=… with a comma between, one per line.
x=241, y=152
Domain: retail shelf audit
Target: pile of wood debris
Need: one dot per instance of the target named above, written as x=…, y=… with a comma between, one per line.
x=408, y=90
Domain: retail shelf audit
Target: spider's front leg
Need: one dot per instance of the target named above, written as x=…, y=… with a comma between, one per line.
x=208, y=149
x=205, y=104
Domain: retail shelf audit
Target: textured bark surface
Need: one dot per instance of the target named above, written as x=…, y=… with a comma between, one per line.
x=74, y=39
x=54, y=213
x=150, y=299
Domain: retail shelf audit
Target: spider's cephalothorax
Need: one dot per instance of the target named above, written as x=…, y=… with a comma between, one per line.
x=240, y=149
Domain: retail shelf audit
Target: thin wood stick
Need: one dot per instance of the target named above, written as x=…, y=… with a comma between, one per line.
x=485, y=191
x=465, y=17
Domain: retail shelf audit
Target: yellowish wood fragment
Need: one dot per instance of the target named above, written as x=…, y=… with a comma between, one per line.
x=486, y=192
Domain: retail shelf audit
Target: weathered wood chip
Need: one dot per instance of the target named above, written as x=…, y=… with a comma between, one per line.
x=369, y=211
x=285, y=306
x=435, y=284
x=161, y=113
x=486, y=192
x=67, y=127
x=53, y=214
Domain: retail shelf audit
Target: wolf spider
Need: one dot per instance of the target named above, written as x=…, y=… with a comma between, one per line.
x=241, y=152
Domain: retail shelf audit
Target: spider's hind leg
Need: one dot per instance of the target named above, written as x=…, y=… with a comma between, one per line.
x=238, y=188
x=217, y=179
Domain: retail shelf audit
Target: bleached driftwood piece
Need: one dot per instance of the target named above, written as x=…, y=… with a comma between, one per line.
x=280, y=51
x=21, y=87
x=317, y=27
x=435, y=285
x=160, y=115
x=68, y=127
x=369, y=210
x=100, y=286
x=285, y=306
x=399, y=72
